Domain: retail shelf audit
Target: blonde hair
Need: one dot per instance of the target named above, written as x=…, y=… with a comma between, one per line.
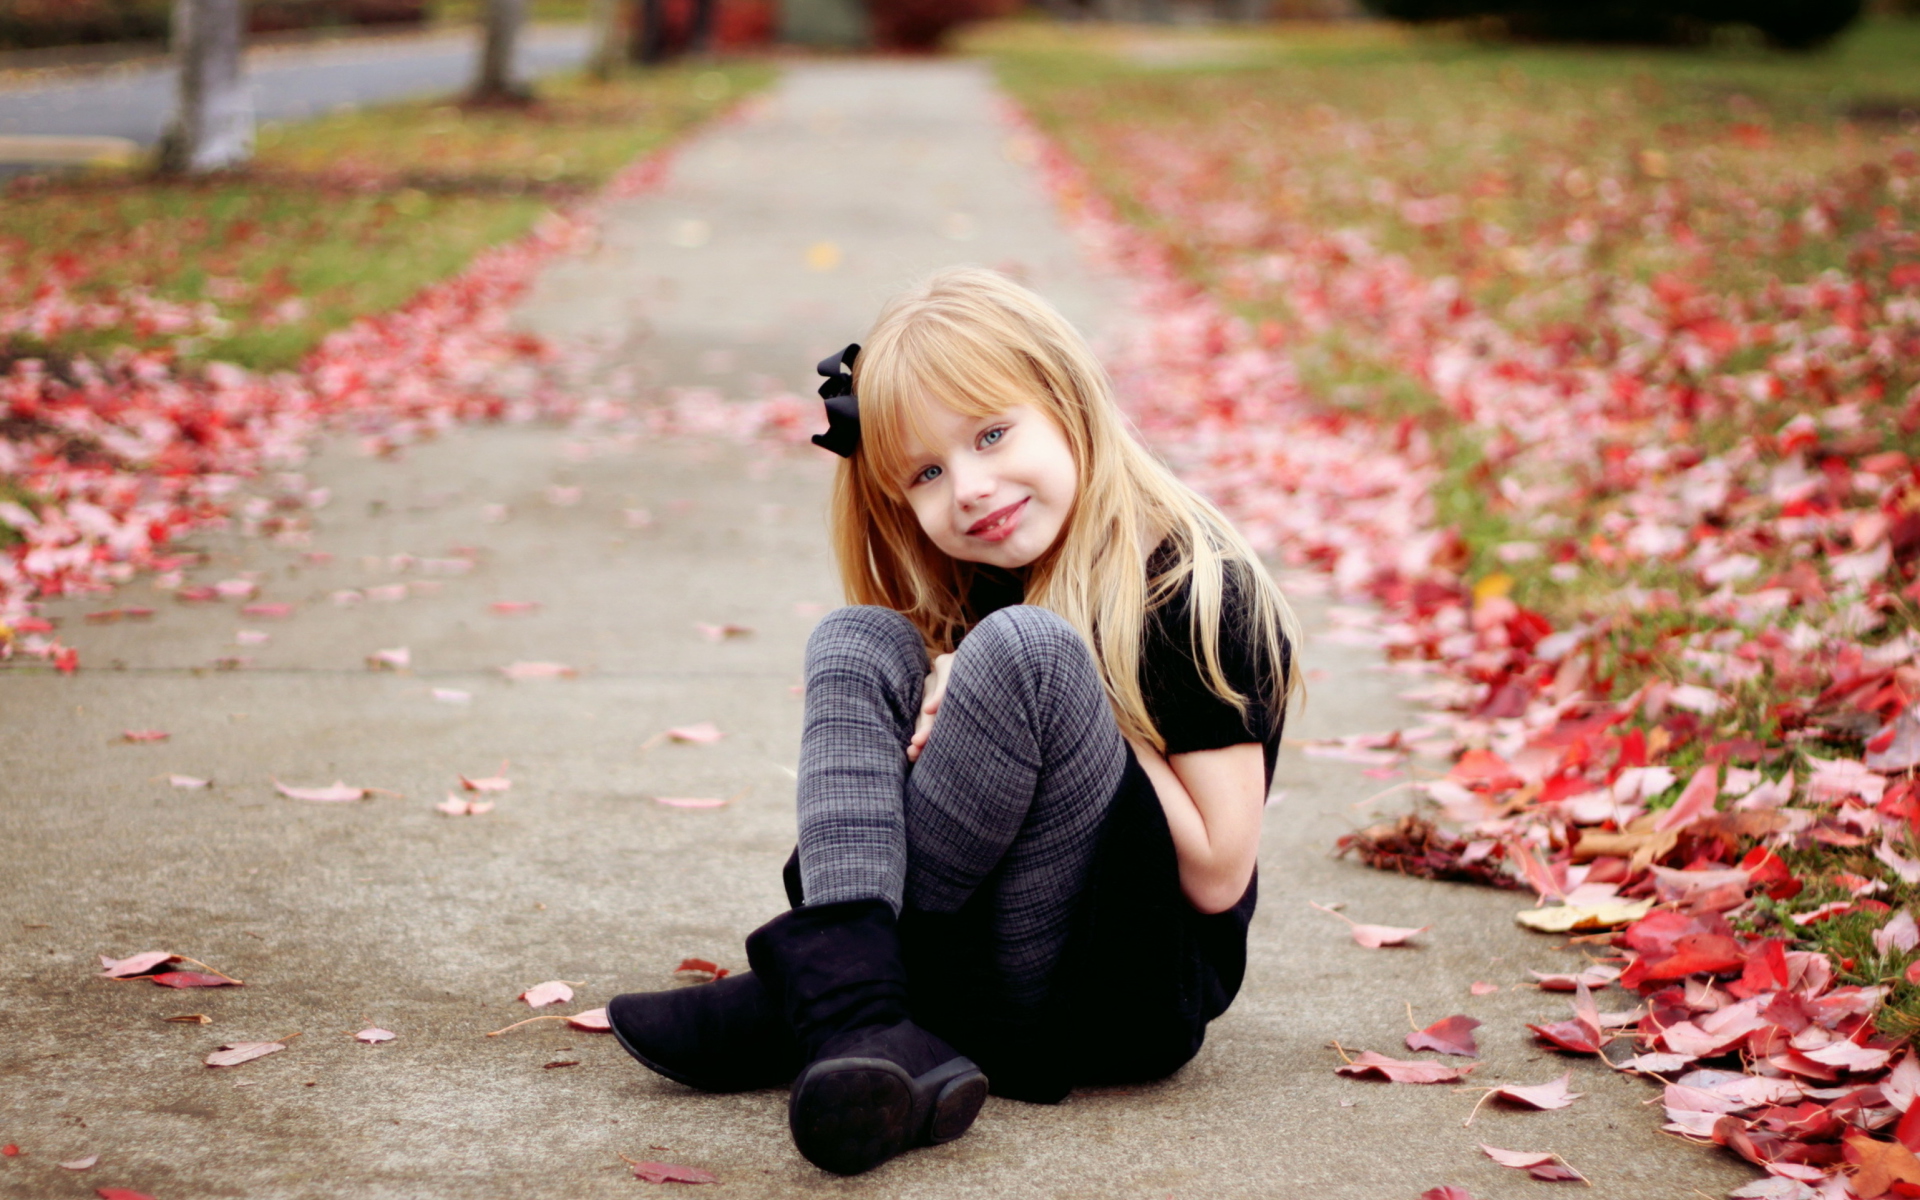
x=977, y=342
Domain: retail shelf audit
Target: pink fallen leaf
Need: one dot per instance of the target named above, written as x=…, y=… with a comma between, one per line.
x=720, y=633
x=1448, y=1192
x=1541, y=1165
x=594, y=1020
x=338, y=793
x=492, y=783
x=145, y=735
x=234, y=1053
x=1656, y=1063
x=514, y=608
x=657, y=1172
x=267, y=610
x=1540, y=1095
x=452, y=696
x=193, y=979
x=1373, y=937
x=1826, y=912
x=554, y=991
x=1453, y=1035
x=1482, y=988
x=1395, y=1070
x=1898, y=934
x=1598, y=975
x=373, y=1035
x=396, y=659
x=1576, y=1036
x=690, y=801
x=459, y=806
x=538, y=670
x=81, y=1164
x=1696, y=800
x=188, y=781
x=135, y=964
x=700, y=734
x=115, y=1193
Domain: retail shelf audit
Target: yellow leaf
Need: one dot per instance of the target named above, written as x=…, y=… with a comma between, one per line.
x=1567, y=918
x=1491, y=587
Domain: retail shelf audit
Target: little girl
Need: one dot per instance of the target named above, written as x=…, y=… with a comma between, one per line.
x=1029, y=858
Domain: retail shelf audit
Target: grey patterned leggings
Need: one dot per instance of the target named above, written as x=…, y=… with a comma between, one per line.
x=1008, y=794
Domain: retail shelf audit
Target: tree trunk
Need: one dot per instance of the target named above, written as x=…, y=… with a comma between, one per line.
x=603, y=16
x=495, y=83
x=650, y=32
x=213, y=128
x=705, y=14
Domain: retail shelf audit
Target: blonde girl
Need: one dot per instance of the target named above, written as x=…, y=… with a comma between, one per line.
x=1037, y=746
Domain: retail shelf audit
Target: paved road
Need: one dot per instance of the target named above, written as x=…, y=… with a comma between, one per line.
x=289, y=83
x=388, y=912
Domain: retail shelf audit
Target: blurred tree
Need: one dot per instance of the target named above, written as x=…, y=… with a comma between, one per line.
x=603, y=22
x=495, y=83
x=663, y=29
x=212, y=130
x=1797, y=24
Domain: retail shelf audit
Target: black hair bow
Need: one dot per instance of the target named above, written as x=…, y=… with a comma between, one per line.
x=843, y=407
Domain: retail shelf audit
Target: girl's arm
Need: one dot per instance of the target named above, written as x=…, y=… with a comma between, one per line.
x=1213, y=800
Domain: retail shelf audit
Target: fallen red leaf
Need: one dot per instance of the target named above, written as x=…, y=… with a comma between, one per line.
x=1452, y=1035
x=554, y=991
x=594, y=1020
x=701, y=966
x=1373, y=937
x=133, y=965
x=234, y=1053
x=193, y=979
x=1448, y=1192
x=1395, y=1070
x=657, y=1172
x=119, y=1193
x=1540, y=1095
x=1540, y=1164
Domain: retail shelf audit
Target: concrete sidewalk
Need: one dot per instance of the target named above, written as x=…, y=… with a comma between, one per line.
x=387, y=912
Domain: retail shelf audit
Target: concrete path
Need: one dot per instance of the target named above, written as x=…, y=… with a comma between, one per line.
x=289, y=82
x=387, y=912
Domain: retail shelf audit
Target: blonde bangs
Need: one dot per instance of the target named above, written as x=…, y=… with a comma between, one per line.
x=931, y=357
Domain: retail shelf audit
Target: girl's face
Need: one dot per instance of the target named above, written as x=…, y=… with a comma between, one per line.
x=994, y=489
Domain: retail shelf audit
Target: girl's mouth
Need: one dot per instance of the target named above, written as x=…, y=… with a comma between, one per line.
x=998, y=526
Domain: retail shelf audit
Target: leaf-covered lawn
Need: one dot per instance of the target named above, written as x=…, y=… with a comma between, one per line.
x=341, y=217
x=1599, y=372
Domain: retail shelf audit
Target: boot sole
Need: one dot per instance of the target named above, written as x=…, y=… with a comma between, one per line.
x=849, y=1115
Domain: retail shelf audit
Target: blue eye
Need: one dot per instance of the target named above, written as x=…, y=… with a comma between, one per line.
x=993, y=435
x=927, y=475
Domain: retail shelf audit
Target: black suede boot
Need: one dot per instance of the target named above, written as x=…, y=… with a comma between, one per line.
x=875, y=1083
x=724, y=1036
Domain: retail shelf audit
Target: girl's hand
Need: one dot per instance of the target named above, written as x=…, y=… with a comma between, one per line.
x=930, y=698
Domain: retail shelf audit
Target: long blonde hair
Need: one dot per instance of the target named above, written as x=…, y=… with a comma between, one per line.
x=977, y=342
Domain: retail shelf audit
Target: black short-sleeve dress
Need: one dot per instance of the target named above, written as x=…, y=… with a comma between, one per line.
x=1144, y=972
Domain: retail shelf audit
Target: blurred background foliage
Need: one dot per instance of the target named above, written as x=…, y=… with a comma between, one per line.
x=922, y=24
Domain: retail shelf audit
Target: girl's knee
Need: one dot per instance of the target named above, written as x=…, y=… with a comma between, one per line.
x=1025, y=636
x=866, y=633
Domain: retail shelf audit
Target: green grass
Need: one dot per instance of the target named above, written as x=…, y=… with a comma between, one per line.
x=340, y=217
x=1314, y=129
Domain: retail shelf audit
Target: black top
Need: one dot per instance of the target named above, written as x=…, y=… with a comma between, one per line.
x=1185, y=710
x=1143, y=972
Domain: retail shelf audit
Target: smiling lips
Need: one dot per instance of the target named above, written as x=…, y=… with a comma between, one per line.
x=998, y=525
